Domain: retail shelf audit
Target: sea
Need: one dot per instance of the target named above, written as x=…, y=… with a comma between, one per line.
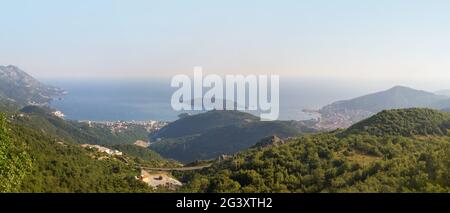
x=147, y=99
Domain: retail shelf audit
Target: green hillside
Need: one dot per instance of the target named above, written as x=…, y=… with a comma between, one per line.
x=41, y=119
x=8, y=106
x=34, y=161
x=145, y=156
x=200, y=123
x=330, y=162
x=15, y=162
x=405, y=122
x=225, y=132
x=224, y=140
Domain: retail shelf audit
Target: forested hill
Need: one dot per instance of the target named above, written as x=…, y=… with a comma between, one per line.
x=36, y=161
x=405, y=122
x=332, y=162
x=14, y=159
x=203, y=122
x=212, y=134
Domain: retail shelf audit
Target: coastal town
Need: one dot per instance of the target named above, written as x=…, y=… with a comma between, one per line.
x=119, y=126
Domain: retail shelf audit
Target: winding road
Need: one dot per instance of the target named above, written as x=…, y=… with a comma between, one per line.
x=176, y=169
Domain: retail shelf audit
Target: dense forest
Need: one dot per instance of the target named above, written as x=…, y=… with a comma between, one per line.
x=37, y=161
x=405, y=122
x=394, y=151
x=342, y=161
x=145, y=156
x=15, y=162
x=214, y=133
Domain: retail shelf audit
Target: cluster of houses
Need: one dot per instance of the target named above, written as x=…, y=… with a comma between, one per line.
x=58, y=114
x=119, y=126
x=103, y=149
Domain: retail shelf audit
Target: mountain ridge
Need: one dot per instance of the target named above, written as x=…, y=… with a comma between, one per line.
x=21, y=88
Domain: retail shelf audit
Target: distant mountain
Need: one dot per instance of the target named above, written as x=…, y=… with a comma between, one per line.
x=404, y=122
x=441, y=104
x=343, y=114
x=22, y=89
x=214, y=133
x=443, y=92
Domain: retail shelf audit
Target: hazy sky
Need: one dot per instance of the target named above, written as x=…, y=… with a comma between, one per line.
x=382, y=39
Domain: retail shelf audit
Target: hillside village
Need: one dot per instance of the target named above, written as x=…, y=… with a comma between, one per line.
x=119, y=126
x=103, y=149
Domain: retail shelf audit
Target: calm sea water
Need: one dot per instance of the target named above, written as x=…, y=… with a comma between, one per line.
x=150, y=99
